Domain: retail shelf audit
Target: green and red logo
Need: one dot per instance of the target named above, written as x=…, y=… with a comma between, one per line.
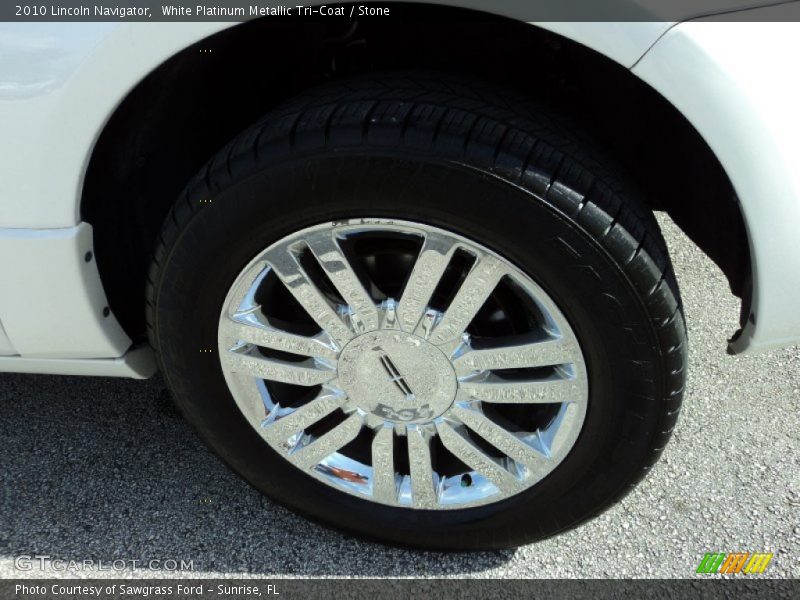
x=734, y=562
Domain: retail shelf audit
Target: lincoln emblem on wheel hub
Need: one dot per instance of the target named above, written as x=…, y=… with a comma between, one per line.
x=403, y=364
x=397, y=377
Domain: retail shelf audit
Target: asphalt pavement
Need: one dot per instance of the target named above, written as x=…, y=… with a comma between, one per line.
x=104, y=470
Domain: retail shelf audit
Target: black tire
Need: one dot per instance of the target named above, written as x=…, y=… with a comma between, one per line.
x=471, y=159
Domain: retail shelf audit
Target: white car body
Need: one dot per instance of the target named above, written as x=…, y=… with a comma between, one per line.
x=61, y=83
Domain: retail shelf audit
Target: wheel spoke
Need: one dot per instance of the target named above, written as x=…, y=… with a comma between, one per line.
x=306, y=373
x=503, y=440
x=478, y=285
x=252, y=328
x=325, y=445
x=289, y=271
x=423, y=490
x=243, y=294
x=384, y=482
x=557, y=438
x=283, y=428
x=501, y=391
x=518, y=356
x=339, y=270
x=471, y=455
x=431, y=264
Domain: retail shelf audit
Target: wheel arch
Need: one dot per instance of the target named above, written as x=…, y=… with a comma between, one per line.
x=180, y=112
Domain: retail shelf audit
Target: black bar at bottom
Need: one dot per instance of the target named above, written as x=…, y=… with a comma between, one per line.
x=434, y=589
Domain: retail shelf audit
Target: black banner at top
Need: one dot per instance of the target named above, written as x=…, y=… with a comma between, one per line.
x=527, y=10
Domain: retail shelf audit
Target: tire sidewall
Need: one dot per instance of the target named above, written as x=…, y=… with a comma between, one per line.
x=604, y=309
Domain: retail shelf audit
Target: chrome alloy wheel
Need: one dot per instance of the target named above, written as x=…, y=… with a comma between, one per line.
x=403, y=364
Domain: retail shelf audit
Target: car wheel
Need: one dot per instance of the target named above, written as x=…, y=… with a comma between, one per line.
x=419, y=309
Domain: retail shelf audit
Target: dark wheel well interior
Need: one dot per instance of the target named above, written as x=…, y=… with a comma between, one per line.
x=191, y=105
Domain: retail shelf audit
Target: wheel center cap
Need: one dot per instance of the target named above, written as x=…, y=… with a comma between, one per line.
x=397, y=376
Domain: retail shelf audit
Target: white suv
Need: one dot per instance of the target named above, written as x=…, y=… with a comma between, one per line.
x=401, y=273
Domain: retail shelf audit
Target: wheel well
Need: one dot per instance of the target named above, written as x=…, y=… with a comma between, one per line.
x=195, y=102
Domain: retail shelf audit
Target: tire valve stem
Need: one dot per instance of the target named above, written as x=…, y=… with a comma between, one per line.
x=466, y=480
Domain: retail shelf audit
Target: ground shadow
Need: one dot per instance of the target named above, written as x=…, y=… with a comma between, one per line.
x=106, y=469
